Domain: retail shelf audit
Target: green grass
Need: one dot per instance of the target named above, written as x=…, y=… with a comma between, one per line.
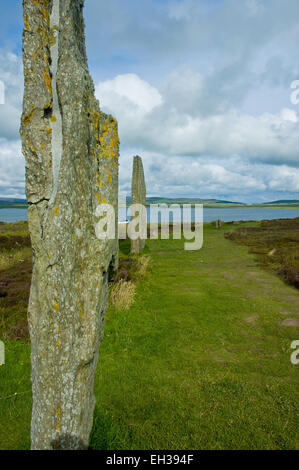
x=15, y=410
x=200, y=360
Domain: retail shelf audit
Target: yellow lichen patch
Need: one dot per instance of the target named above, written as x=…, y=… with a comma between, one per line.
x=100, y=199
x=47, y=80
x=26, y=22
x=58, y=418
x=47, y=57
x=53, y=118
x=45, y=13
x=56, y=306
x=109, y=177
x=27, y=117
x=49, y=130
x=50, y=255
x=55, y=211
x=109, y=141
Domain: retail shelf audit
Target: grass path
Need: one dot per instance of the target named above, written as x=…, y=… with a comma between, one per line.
x=199, y=361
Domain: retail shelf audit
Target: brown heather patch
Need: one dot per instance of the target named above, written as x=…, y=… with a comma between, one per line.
x=276, y=244
x=14, y=242
x=13, y=227
x=133, y=268
x=14, y=296
x=19, y=331
x=125, y=269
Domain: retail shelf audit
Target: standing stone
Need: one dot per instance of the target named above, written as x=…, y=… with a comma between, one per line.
x=138, y=196
x=71, y=151
x=218, y=223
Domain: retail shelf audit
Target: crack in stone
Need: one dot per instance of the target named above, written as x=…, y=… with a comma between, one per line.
x=35, y=203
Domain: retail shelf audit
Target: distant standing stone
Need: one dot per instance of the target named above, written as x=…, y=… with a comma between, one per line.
x=138, y=197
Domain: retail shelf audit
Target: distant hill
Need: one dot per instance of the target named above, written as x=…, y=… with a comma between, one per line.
x=10, y=200
x=185, y=200
x=7, y=201
x=284, y=201
x=190, y=199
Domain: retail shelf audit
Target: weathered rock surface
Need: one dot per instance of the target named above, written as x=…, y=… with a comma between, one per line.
x=138, y=196
x=71, y=151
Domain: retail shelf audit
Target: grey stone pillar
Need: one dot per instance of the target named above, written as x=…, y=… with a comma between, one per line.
x=71, y=150
x=138, y=196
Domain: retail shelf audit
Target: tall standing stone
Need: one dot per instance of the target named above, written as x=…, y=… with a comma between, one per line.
x=71, y=150
x=138, y=196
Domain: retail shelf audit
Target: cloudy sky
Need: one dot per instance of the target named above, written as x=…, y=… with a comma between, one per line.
x=201, y=90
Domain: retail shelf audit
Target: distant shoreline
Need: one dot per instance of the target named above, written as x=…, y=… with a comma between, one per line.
x=206, y=206
x=13, y=206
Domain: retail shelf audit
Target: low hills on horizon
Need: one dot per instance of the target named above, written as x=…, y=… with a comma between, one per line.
x=216, y=202
x=18, y=202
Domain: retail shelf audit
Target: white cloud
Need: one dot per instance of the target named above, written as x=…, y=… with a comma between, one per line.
x=235, y=179
x=285, y=178
x=12, y=76
x=187, y=152
x=12, y=169
x=174, y=124
x=130, y=91
x=289, y=115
